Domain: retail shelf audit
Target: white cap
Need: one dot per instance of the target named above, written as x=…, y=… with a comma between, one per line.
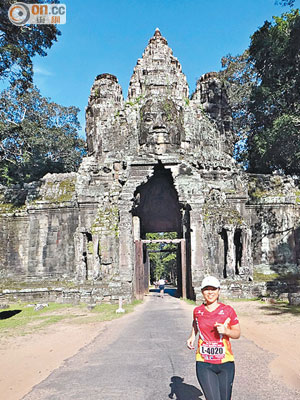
x=210, y=281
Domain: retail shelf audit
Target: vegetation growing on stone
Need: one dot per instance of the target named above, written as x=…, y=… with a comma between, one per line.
x=9, y=208
x=135, y=101
x=61, y=191
x=222, y=215
x=107, y=219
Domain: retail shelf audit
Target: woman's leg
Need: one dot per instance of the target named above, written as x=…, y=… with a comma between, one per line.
x=226, y=376
x=208, y=380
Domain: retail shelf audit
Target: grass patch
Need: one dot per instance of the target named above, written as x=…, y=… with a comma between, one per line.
x=20, y=319
x=23, y=319
x=239, y=300
x=188, y=301
x=260, y=277
x=107, y=312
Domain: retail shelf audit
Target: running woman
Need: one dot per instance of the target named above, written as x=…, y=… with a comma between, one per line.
x=216, y=324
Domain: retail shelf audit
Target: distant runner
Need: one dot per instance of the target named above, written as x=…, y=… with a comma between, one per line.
x=161, y=283
x=216, y=323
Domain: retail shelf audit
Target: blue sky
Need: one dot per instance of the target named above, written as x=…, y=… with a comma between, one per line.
x=109, y=36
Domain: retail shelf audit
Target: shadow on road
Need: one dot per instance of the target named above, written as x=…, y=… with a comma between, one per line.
x=280, y=309
x=171, y=291
x=183, y=391
x=9, y=314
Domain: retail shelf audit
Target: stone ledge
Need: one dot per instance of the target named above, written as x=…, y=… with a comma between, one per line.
x=63, y=295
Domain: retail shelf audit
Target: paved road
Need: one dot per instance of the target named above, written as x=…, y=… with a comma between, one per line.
x=143, y=357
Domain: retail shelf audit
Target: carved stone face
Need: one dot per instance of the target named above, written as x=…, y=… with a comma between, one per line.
x=161, y=123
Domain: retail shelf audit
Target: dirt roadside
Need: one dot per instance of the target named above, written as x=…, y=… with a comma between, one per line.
x=27, y=360
x=275, y=329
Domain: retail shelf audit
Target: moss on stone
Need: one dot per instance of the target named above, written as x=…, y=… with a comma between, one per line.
x=90, y=248
x=277, y=182
x=136, y=101
x=107, y=220
x=60, y=192
x=258, y=193
x=10, y=284
x=9, y=208
x=273, y=186
x=186, y=101
x=224, y=215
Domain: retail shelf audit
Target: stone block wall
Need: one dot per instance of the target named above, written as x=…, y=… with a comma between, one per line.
x=37, y=239
x=275, y=222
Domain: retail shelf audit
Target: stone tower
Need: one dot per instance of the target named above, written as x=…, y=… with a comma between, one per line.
x=161, y=161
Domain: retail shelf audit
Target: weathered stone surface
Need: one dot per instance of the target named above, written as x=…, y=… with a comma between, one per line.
x=159, y=161
x=294, y=298
x=37, y=239
x=40, y=306
x=211, y=95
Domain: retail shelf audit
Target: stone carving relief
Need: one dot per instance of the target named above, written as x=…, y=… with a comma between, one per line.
x=161, y=125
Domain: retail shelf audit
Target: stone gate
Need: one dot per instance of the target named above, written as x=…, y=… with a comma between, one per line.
x=161, y=161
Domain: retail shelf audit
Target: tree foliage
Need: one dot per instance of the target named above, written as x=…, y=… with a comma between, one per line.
x=162, y=263
x=239, y=71
x=19, y=44
x=36, y=136
x=265, y=97
x=275, y=102
x=284, y=3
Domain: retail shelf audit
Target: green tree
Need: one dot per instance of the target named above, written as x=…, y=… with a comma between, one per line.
x=19, y=44
x=273, y=142
x=289, y=3
x=241, y=75
x=36, y=136
x=162, y=256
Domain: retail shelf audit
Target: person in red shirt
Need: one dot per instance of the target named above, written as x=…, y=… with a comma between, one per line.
x=216, y=323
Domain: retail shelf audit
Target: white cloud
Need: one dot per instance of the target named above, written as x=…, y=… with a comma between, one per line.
x=42, y=71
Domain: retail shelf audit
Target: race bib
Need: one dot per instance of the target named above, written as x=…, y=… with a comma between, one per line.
x=212, y=350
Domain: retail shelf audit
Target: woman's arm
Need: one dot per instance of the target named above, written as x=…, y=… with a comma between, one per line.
x=234, y=332
x=191, y=339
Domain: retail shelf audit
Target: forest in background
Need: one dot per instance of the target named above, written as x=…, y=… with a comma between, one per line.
x=37, y=136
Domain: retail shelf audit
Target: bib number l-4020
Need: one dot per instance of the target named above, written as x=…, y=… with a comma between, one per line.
x=212, y=350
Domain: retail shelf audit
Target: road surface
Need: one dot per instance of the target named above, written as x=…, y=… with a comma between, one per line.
x=143, y=356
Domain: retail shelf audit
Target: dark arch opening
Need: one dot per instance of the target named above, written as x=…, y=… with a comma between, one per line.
x=157, y=204
x=224, y=236
x=237, y=239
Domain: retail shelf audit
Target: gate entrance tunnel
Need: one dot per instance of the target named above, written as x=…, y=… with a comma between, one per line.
x=161, y=237
x=164, y=251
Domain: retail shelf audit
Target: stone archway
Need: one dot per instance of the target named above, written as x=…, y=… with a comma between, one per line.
x=157, y=210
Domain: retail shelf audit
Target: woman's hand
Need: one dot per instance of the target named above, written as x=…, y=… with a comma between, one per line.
x=191, y=339
x=234, y=332
x=222, y=328
x=190, y=343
